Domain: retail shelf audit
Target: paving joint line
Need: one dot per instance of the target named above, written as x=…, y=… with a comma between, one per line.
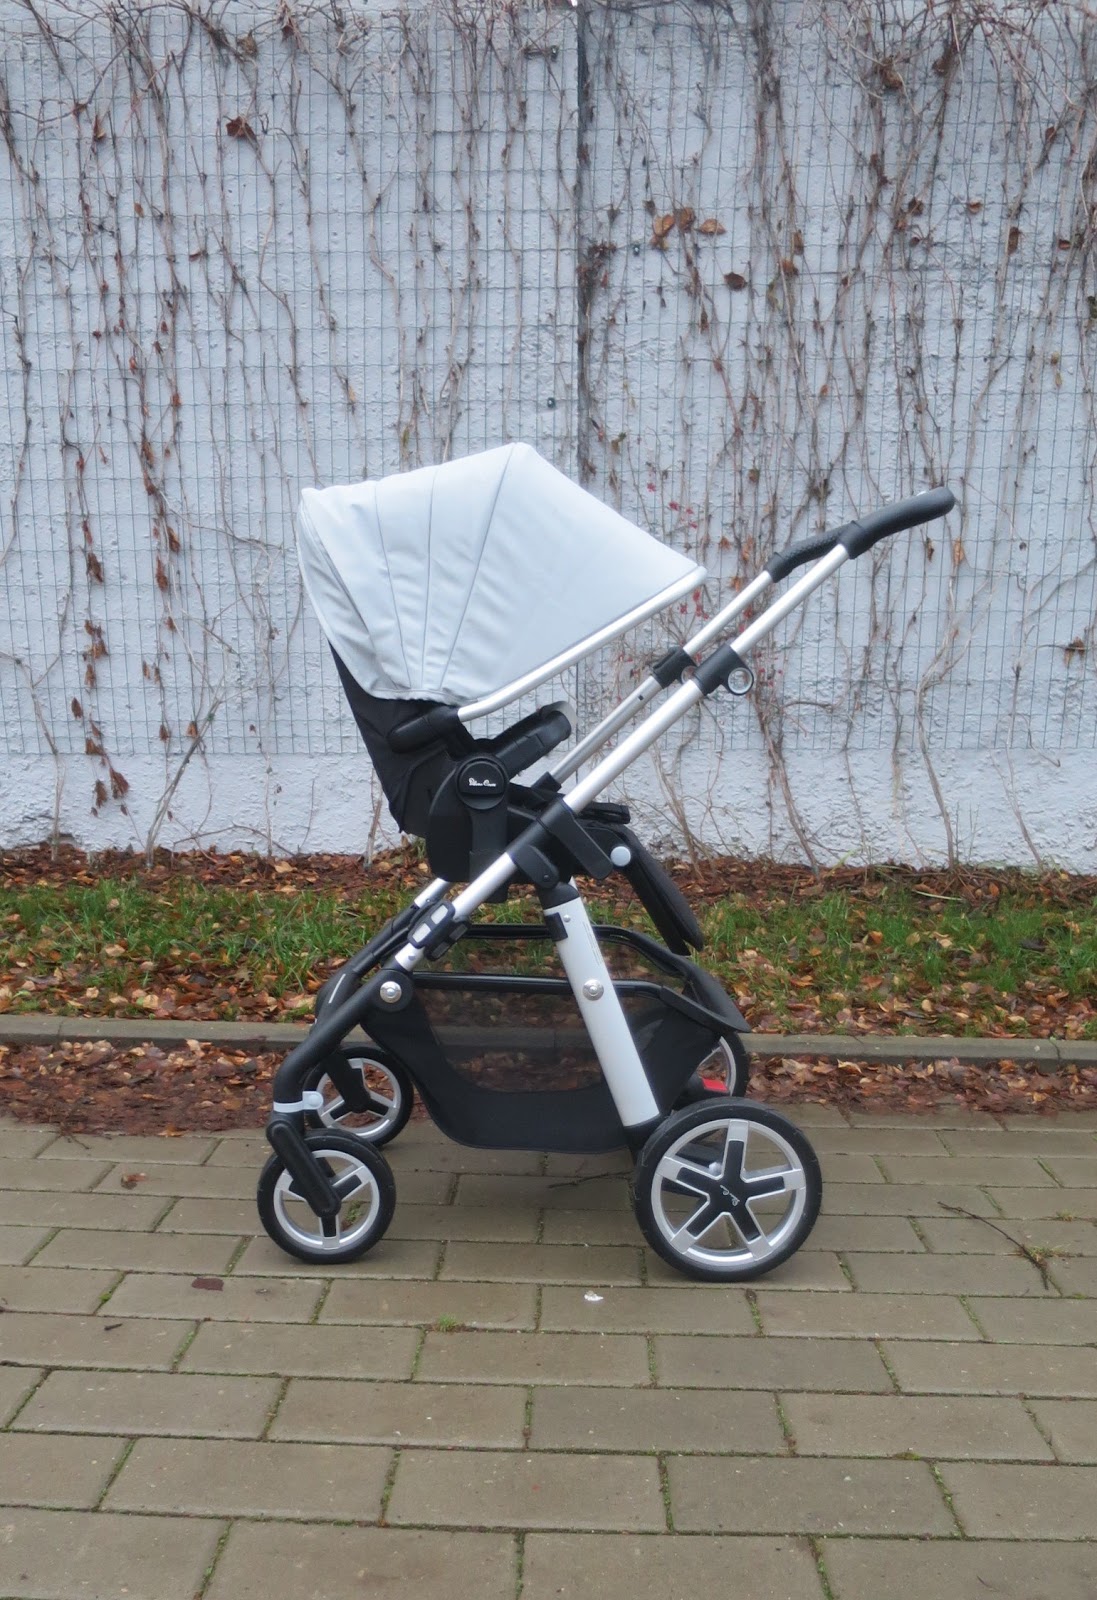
x=128, y=1447
x=816, y=1545
x=207, y=1577
x=184, y=1345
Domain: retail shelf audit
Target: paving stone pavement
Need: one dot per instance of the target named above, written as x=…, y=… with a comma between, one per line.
x=510, y=1397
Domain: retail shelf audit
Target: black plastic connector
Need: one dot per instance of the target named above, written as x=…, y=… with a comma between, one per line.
x=437, y=931
x=669, y=668
x=715, y=672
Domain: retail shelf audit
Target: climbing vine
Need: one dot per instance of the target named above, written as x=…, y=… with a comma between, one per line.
x=743, y=268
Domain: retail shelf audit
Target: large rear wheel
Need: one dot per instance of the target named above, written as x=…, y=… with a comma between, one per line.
x=726, y=1190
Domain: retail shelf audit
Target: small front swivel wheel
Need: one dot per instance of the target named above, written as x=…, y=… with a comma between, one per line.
x=362, y=1179
x=726, y=1190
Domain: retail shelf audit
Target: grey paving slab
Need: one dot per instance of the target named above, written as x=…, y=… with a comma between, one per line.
x=16, y=1384
x=941, y=1117
x=489, y=1417
x=608, y=1161
x=906, y=1141
x=556, y=1194
x=1072, y=1427
x=76, y=1341
x=953, y=1569
x=953, y=1428
x=528, y=1489
x=297, y=1562
x=24, y=1142
x=175, y=1178
x=421, y=1147
x=64, y=1177
x=162, y=1294
x=541, y=1263
x=946, y=1274
x=53, y=1288
x=145, y=1252
x=120, y=1211
x=961, y=1236
x=582, y=1566
x=993, y=1368
x=1073, y=1172
x=390, y=1258
x=475, y=1222
x=772, y=1363
x=535, y=1358
x=312, y=1482
x=690, y=1421
x=891, y=1233
x=906, y=1199
x=18, y=1242
x=865, y=1316
x=1064, y=1205
x=1019, y=1502
x=480, y=1305
x=189, y=1149
x=653, y=1309
x=178, y=1404
x=304, y=1350
x=191, y=1215
x=1033, y=1140
x=55, y=1469
x=1037, y=1321
x=1019, y=1171
x=839, y=1168
x=1075, y=1277
x=92, y=1555
x=739, y=1494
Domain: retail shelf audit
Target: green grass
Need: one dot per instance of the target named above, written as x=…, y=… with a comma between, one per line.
x=880, y=954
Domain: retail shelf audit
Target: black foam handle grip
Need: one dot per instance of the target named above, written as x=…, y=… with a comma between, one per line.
x=798, y=555
x=861, y=535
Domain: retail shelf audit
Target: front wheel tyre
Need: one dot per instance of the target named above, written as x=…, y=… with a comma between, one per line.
x=362, y=1179
x=726, y=1190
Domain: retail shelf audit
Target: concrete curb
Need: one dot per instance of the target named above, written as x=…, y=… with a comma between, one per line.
x=1047, y=1054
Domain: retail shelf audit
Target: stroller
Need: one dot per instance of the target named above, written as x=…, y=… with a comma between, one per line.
x=446, y=594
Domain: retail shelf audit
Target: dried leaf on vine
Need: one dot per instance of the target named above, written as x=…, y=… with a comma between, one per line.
x=241, y=128
x=118, y=784
x=684, y=218
x=162, y=581
x=1013, y=243
x=735, y=280
x=662, y=226
x=94, y=566
x=77, y=709
x=711, y=227
x=1076, y=647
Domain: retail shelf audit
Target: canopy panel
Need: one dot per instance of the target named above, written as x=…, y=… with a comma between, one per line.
x=451, y=582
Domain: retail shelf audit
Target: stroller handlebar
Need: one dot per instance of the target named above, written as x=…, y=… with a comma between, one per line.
x=861, y=535
x=798, y=555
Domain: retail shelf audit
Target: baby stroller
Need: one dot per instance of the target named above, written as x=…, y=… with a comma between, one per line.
x=446, y=594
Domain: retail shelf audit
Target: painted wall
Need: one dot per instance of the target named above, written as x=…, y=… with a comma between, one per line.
x=744, y=275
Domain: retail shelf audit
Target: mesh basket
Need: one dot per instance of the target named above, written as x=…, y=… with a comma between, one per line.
x=505, y=1017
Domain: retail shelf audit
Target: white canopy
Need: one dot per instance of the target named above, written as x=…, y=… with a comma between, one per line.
x=452, y=582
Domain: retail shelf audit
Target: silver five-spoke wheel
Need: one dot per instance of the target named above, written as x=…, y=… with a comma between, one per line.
x=726, y=1189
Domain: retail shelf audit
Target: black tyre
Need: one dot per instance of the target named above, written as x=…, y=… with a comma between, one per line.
x=364, y=1181
x=726, y=1190
x=728, y=1061
x=380, y=1107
